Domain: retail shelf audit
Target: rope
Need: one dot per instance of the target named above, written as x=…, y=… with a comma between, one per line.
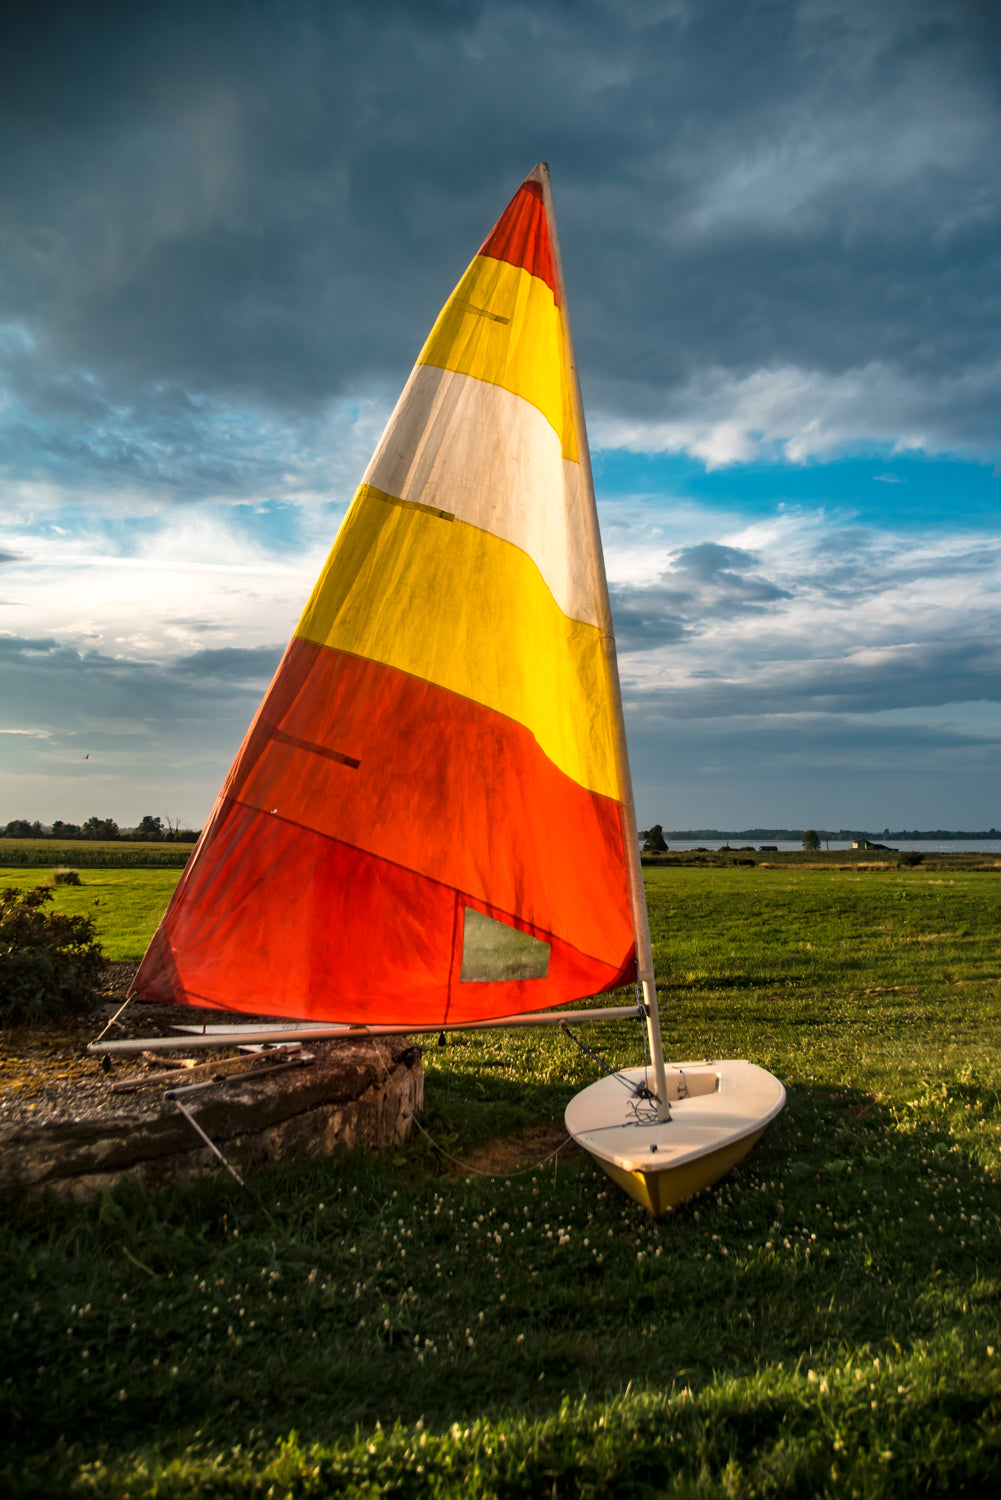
x=482, y=1171
x=457, y=1161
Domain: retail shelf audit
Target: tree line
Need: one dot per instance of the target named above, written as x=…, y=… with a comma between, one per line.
x=150, y=829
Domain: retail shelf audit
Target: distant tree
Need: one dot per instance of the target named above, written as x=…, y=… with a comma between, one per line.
x=61, y=830
x=811, y=840
x=150, y=827
x=20, y=828
x=654, y=840
x=100, y=828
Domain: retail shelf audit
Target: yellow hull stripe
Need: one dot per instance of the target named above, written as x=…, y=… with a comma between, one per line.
x=664, y=1188
x=448, y=594
x=501, y=325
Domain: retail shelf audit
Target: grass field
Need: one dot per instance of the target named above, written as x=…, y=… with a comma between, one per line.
x=125, y=903
x=825, y=1323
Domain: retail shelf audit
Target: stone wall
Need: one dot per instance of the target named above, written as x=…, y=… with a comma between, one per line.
x=361, y=1094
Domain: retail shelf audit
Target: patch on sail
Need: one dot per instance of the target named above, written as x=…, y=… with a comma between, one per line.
x=493, y=951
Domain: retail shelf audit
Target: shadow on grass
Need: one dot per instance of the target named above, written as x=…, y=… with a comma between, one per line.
x=359, y=1291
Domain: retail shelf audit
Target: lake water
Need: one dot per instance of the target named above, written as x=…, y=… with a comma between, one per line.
x=926, y=846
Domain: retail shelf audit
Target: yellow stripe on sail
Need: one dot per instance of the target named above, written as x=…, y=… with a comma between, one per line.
x=502, y=325
x=471, y=613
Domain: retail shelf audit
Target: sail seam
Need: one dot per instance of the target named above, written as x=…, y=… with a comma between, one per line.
x=369, y=491
x=460, y=894
x=487, y=708
x=433, y=364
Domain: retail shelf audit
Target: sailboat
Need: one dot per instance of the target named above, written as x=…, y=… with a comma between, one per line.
x=430, y=823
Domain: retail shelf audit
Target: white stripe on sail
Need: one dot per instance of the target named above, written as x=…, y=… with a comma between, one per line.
x=491, y=459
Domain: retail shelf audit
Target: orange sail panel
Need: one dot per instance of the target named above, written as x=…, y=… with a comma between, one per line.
x=424, y=823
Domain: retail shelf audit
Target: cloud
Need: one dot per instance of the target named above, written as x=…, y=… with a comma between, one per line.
x=87, y=730
x=93, y=443
x=863, y=681
x=795, y=769
x=852, y=621
x=228, y=664
x=228, y=231
x=790, y=241
x=161, y=586
x=797, y=414
x=704, y=581
x=48, y=682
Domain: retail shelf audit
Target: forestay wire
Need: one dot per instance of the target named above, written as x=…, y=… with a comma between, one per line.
x=643, y=1100
x=603, y=1062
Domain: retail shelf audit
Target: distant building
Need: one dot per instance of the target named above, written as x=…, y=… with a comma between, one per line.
x=768, y=848
x=868, y=844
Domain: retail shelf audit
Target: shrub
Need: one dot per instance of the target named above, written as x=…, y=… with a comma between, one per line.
x=910, y=858
x=49, y=962
x=63, y=875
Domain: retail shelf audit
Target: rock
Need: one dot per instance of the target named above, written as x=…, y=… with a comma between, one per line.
x=361, y=1094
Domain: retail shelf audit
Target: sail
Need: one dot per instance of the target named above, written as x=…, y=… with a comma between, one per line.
x=424, y=823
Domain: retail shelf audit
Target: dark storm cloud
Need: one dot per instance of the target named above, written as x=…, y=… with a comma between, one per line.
x=856, y=563
x=925, y=676
x=643, y=618
x=706, y=582
x=81, y=430
x=790, y=771
x=268, y=203
x=823, y=742
x=725, y=569
x=228, y=664
x=83, y=732
x=47, y=685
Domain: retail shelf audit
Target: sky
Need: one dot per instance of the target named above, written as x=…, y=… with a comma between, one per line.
x=227, y=229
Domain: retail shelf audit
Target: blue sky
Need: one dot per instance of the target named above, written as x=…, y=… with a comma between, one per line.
x=227, y=232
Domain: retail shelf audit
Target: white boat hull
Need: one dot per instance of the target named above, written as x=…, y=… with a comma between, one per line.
x=718, y=1111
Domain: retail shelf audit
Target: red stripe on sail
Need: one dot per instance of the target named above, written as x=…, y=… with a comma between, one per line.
x=433, y=781
x=282, y=921
x=521, y=236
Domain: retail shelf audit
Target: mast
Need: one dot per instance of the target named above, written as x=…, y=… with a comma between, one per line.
x=630, y=837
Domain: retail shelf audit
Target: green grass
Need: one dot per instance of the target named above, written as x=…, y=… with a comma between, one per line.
x=824, y=1323
x=127, y=904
